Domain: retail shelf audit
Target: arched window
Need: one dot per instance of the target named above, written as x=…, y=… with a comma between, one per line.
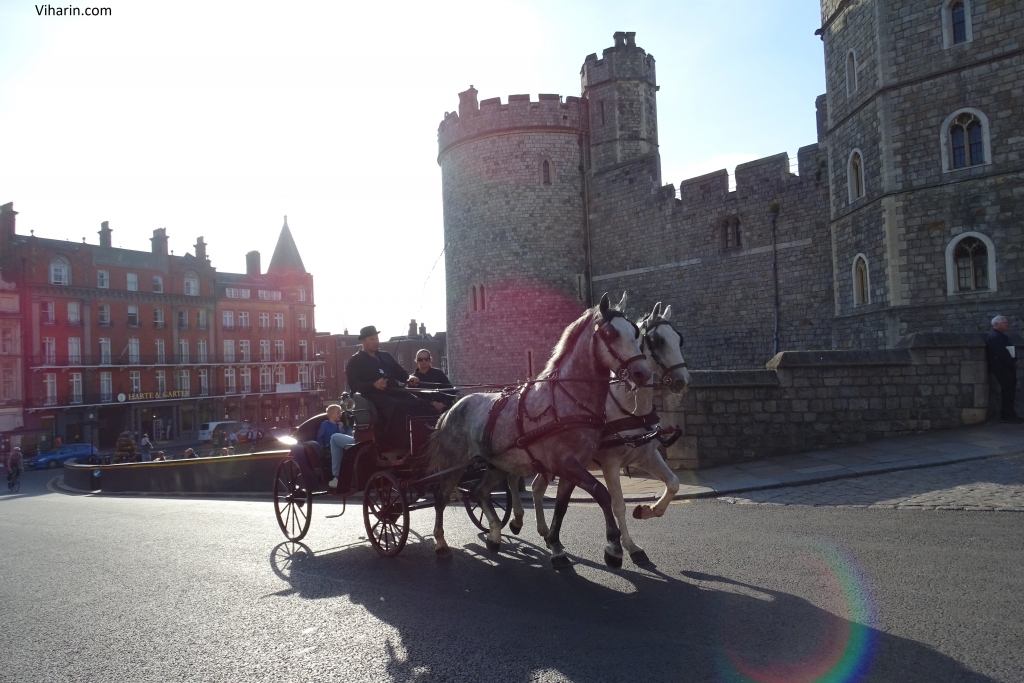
x=474, y=298
x=855, y=175
x=861, y=281
x=851, y=73
x=964, y=140
x=732, y=236
x=60, y=271
x=970, y=264
x=957, y=27
x=547, y=172
x=971, y=260
x=483, y=300
x=191, y=284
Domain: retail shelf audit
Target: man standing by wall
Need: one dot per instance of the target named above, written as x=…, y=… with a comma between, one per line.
x=1002, y=362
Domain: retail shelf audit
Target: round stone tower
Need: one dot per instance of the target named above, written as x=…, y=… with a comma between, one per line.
x=512, y=184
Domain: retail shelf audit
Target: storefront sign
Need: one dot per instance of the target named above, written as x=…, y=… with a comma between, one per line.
x=156, y=395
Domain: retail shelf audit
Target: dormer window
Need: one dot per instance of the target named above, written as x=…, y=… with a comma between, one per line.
x=60, y=271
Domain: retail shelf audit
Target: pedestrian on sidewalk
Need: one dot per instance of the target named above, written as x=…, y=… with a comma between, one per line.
x=1003, y=363
x=146, y=448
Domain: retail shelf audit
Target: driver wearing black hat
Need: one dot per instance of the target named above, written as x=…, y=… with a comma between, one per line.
x=378, y=376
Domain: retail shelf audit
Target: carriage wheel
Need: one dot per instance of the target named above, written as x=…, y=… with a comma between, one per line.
x=501, y=499
x=293, y=501
x=385, y=514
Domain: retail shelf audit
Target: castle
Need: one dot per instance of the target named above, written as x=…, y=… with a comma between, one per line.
x=905, y=216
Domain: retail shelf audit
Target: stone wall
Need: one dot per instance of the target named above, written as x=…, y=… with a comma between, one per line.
x=658, y=247
x=807, y=400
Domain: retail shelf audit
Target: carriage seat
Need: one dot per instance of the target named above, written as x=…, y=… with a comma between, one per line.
x=365, y=413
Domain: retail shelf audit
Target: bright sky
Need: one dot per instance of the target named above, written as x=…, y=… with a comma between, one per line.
x=218, y=118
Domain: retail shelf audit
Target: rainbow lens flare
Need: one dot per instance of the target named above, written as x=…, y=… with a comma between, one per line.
x=825, y=648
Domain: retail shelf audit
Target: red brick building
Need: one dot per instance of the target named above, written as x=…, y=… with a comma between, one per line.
x=115, y=338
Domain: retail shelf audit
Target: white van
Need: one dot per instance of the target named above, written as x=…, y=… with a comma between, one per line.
x=207, y=429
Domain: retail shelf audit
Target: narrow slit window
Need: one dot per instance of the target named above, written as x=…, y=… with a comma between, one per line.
x=546, y=172
x=851, y=73
x=483, y=300
x=958, y=20
x=474, y=297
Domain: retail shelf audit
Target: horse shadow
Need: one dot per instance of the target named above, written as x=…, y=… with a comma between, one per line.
x=509, y=617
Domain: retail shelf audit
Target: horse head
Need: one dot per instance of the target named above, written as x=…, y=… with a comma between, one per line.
x=664, y=346
x=618, y=347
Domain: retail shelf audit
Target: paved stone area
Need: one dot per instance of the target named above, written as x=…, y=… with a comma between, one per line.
x=995, y=483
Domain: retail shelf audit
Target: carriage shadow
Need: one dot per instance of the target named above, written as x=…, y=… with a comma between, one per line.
x=510, y=617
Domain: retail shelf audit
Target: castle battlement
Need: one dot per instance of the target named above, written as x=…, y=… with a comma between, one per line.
x=754, y=175
x=623, y=61
x=491, y=117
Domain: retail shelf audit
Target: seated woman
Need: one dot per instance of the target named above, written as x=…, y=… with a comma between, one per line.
x=432, y=378
x=332, y=436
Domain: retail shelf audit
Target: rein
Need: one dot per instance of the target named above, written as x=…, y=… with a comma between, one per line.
x=588, y=420
x=666, y=377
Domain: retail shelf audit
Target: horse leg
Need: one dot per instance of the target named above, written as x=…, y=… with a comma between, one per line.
x=656, y=465
x=482, y=493
x=559, y=560
x=441, y=496
x=540, y=485
x=516, y=525
x=610, y=466
x=579, y=476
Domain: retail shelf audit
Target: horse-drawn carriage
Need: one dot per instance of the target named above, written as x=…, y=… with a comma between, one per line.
x=591, y=408
x=393, y=483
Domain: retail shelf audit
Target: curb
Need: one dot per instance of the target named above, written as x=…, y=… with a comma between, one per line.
x=705, y=492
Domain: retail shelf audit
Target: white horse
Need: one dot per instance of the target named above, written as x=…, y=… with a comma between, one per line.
x=633, y=438
x=551, y=424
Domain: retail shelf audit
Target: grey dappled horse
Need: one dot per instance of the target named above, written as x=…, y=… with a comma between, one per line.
x=663, y=346
x=551, y=424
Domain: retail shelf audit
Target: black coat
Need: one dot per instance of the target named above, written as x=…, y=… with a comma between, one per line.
x=363, y=370
x=1000, y=361
x=435, y=379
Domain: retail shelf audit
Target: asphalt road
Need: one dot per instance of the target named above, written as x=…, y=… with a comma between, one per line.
x=143, y=589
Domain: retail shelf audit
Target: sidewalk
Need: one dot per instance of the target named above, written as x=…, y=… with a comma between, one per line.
x=901, y=453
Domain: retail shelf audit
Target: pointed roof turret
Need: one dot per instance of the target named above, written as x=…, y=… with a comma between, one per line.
x=286, y=257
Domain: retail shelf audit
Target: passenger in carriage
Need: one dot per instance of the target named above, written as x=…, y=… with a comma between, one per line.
x=432, y=378
x=333, y=437
x=380, y=378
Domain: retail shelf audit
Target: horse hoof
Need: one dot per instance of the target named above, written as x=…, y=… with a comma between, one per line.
x=612, y=561
x=560, y=562
x=639, y=557
x=492, y=546
x=515, y=527
x=638, y=512
x=444, y=551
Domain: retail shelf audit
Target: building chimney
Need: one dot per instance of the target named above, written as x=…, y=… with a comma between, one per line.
x=7, y=214
x=423, y=330
x=105, y=234
x=252, y=263
x=412, y=328
x=159, y=241
x=201, y=250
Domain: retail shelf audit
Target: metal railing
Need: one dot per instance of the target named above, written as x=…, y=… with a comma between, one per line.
x=39, y=399
x=64, y=360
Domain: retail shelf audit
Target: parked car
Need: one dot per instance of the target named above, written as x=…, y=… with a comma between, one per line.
x=207, y=429
x=57, y=458
x=241, y=430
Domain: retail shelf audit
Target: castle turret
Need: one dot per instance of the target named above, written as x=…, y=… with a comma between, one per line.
x=620, y=89
x=514, y=229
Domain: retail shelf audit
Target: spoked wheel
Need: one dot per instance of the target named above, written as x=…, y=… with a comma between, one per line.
x=293, y=501
x=501, y=499
x=385, y=514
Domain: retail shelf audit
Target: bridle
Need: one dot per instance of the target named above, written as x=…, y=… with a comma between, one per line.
x=622, y=371
x=667, y=370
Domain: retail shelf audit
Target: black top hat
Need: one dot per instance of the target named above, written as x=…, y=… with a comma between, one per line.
x=367, y=331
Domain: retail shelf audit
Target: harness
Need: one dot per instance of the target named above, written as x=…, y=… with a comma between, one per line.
x=588, y=420
x=666, y=377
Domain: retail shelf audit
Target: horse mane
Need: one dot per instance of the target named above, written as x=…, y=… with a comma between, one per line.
x=570, y=336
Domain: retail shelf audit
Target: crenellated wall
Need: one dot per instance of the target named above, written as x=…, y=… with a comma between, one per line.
x=662, y=248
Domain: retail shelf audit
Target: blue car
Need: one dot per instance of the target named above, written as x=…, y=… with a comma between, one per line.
x=57, y=458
